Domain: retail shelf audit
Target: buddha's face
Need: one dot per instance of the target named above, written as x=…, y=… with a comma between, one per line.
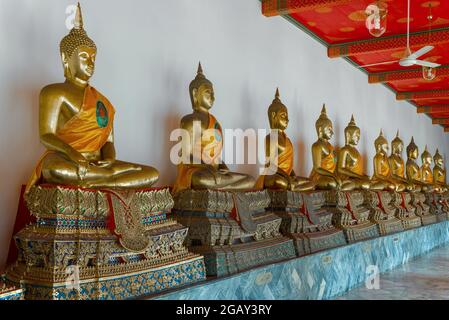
x=81, y=64
x=426, y=160
x=439, y=162
x=397, y=148
x=326, y=131
x=280, y=119
x=204, y=97
x=353, y=137
x=413, y=154
x=383, y=148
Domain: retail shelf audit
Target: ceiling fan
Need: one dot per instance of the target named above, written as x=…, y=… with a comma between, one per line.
x=410, y=59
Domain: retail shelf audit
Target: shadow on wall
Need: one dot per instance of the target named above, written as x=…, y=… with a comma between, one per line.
x=249, y=109
x=167, y=169
x=302, y=153
x=17, y=161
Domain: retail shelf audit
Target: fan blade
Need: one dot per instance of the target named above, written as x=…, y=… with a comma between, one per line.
x=427, y=64
x=378, y=64
x=421, y=52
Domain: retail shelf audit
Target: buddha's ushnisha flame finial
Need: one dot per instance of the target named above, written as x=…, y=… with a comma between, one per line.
x=200, y=69
x=323, y=115
x=78, y=23
x=380, y=139
x=437, y=156
x=77, y=37
x=426, y=153
x=277, y=95
x=397, y=140
x=352, y=122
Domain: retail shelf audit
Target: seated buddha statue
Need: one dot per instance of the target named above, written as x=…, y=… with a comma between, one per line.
x=204, y=168
x=324, y=173
x=412, y=170
x=439, y=173
x=280, y=153
x=382, y=170
x=397, y=164
x=426, y=171
x=350, y=166
x=76, y=126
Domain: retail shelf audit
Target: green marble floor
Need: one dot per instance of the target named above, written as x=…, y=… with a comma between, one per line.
x=426, y=278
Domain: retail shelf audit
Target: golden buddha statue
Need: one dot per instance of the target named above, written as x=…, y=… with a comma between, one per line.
x=281, y=154
x=426, y=171
x=382, y=170
x=350, y=166
x=205, y=169
x=439, y=173
x=412, y=169
x=324, y=172
x=397, y=164
x=76, y=126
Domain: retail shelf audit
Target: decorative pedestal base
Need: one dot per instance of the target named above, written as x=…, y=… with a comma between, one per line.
x=382, y=212
x=422, y=208
x=405, y=211
x=323, y=275
x=433, y=200
x=109, y=244
x=304, y=220
x=9, y=292
x=351, y=215
x=231, y=229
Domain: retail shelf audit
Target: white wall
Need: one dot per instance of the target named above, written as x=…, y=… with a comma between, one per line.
x=148, y=52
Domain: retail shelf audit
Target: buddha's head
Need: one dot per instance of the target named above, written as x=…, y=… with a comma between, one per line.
x=412, y=150
x=278, y=114
x=438, y=159
x=426, y=157
x=352, y=133
x=201, y=91
x=381, y=144
x=397, y=145
x=78, y=52
x=323, y=126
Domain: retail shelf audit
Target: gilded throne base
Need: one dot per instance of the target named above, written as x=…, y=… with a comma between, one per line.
x=9, y=292
x=383, y=213
x=422, y=208
x=222, y=236
x=351, y=214
x=304, y=220
x=405, y=210
x=437, y=205
x=106, y=245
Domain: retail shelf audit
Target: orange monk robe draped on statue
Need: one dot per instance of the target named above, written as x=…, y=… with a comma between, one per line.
x=328, y=163
x=87, y=131
x=284, y=162
x=210, y=151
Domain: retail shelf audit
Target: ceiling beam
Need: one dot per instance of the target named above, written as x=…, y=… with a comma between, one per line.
x=423, y=95
x=433, y=109
x=407, y=74
x=442, y=121
x=271, y=8
x=390, y=43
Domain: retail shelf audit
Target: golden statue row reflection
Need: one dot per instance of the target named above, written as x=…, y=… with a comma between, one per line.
x=76, y=127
